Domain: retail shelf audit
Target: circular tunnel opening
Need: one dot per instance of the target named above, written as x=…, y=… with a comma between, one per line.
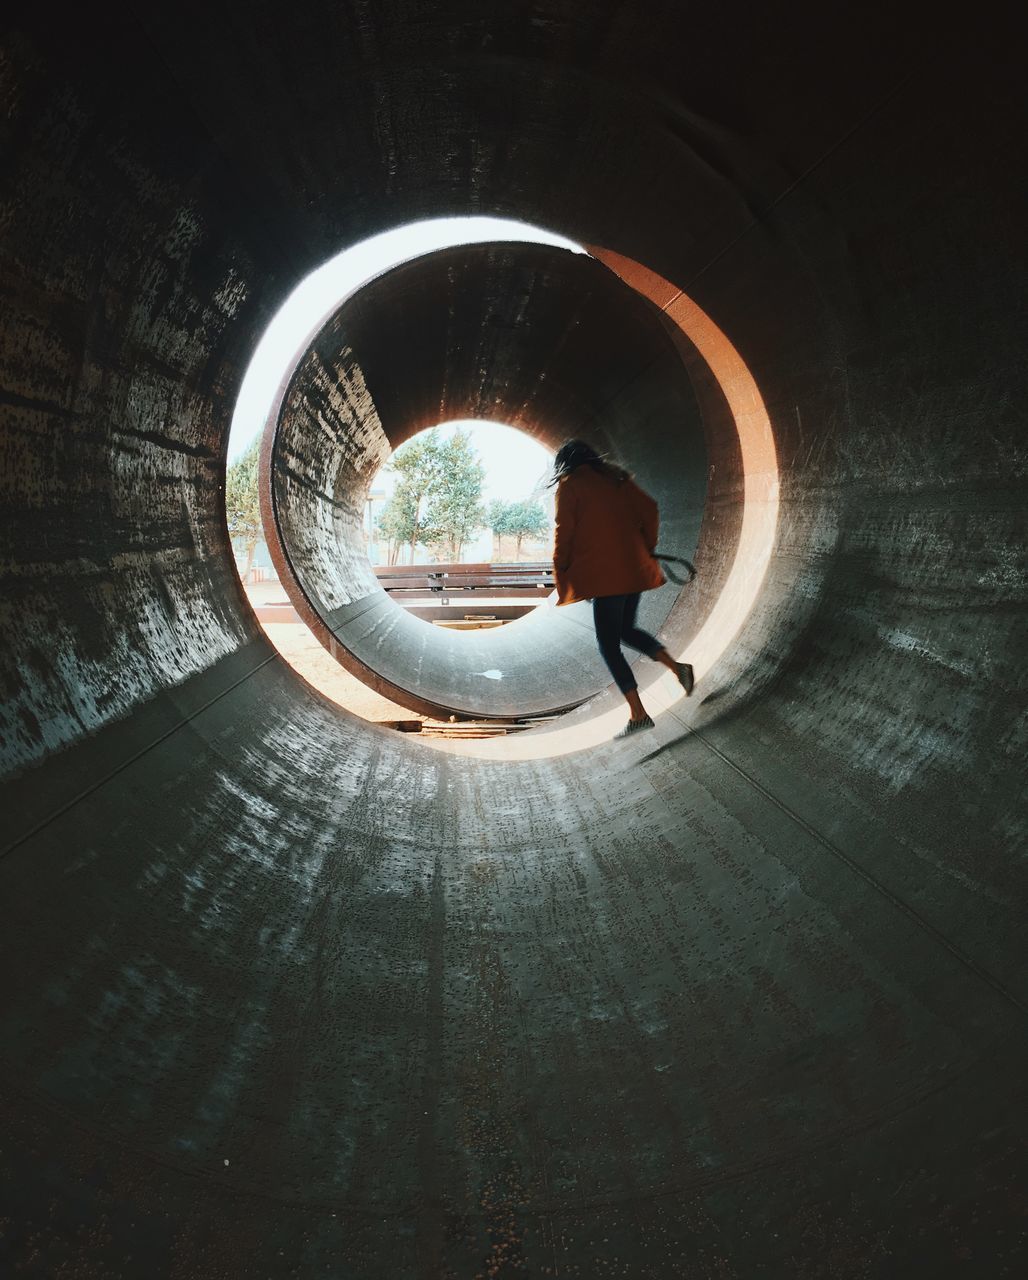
x=561, y=346
x=480, y=468
x=459, y=525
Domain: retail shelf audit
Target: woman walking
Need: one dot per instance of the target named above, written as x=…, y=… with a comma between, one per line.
x=603, y=551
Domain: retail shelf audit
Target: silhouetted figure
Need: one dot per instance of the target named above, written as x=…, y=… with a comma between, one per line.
x=606, y=534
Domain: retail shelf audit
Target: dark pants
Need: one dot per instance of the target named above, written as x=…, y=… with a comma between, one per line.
x=614, y=620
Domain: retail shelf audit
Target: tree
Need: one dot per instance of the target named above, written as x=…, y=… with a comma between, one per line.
x=527, y=519
x=519, y=520
x=242, y=502
x=397, y=522
x=437, y=501
x=405, y=518
x=456, y=513
x=496, y=518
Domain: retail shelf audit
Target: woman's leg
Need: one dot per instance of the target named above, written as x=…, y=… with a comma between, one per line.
x=608, y=612
x=608, y=620
x=635, y=636
x=645, y=643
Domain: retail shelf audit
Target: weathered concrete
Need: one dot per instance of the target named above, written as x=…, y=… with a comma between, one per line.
x=747, y=998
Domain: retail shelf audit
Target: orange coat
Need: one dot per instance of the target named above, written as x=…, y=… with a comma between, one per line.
x=605, y=536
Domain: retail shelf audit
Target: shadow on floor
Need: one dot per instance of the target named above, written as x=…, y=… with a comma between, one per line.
x=665, y=746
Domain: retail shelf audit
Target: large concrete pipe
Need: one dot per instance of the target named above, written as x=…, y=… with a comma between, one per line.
x=288, y=995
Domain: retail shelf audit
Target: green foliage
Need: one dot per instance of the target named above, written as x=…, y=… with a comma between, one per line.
x=497, y=516
x=519, y=520
x=242, y=501
x=398, y=522
x=527, y=519
x=438, y=496
x=417, y=465
x=456, y=514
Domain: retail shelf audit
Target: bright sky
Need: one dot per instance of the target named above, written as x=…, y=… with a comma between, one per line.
x=515, y=464
x=317, y=297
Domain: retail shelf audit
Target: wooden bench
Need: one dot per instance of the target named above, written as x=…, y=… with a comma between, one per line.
x=440, y=582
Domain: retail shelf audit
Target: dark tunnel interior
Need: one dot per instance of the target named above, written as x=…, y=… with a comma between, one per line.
x=288, y=994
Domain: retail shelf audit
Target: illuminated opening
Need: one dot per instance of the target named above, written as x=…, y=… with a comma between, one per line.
x=459, y=525
x=275, y=357
x=310, y=308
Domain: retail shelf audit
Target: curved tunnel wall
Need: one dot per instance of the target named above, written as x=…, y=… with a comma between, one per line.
x=287, y=994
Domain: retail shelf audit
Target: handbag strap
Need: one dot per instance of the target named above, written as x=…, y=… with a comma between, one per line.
x=667, y=561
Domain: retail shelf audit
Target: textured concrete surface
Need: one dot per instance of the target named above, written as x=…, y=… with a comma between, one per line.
x=289, y=995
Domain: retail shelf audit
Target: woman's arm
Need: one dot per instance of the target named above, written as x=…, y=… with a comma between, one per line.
x=563, y=533
x=649, y=517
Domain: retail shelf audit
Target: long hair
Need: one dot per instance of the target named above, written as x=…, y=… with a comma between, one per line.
x=576, y=453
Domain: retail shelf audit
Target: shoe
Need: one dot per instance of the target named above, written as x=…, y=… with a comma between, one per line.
x=685, y=677
x=634, y=726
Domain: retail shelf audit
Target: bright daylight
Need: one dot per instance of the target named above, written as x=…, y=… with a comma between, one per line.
x=468, y=500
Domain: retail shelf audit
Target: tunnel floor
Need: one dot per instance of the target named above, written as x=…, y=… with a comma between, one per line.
x=412, y=1017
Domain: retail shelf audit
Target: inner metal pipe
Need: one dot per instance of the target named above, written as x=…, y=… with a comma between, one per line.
x=397, y=358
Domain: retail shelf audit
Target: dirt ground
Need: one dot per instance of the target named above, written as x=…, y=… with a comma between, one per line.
x=298, y=646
